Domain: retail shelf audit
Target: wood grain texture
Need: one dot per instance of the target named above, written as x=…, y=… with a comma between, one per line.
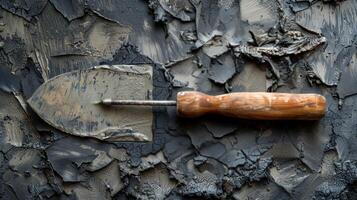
x=253, y=105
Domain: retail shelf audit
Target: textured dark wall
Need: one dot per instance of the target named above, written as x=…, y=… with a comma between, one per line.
x=216, y=46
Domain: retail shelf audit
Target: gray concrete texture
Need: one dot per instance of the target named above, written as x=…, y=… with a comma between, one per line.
x=216, y=47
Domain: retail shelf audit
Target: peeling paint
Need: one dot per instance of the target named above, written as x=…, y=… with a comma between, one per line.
x=216, y=47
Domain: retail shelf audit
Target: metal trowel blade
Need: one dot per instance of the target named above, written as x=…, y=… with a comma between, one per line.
x=66, y=102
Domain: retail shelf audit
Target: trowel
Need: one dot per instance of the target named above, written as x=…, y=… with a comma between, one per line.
x=113, y=103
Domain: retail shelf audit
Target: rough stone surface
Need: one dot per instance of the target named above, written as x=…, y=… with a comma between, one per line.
x=215, y=47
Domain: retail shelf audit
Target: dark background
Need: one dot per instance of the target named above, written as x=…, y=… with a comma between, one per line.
x=209, y=46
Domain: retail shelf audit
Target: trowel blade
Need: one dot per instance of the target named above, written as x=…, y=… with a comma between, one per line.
x=66, y=102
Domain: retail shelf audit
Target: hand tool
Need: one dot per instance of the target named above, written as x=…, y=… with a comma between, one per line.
x=247, y=105
x=77, y=103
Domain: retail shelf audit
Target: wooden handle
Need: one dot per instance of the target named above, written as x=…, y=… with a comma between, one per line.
x=253, y=105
